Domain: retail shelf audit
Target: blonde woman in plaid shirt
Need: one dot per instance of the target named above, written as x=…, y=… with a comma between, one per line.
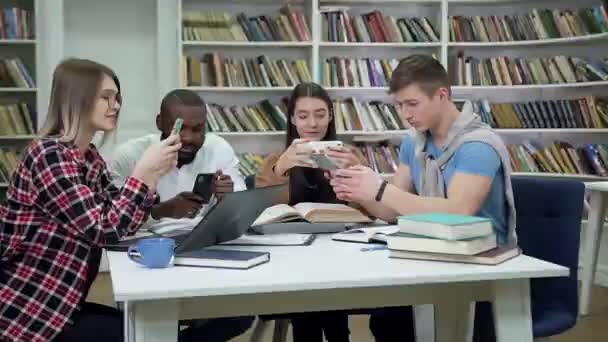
x=61, y=208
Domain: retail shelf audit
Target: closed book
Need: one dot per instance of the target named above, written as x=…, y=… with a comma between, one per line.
x=221, y=258
x=494, y=256
x=445, y=226
x=415, y=243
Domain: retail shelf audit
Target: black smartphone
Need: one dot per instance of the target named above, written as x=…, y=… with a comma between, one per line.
x=203, y=186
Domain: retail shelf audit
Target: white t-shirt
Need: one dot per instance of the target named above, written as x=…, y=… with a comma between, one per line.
x=215, y=154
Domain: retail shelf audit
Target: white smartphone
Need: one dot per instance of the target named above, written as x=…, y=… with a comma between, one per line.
x=320, y=146
x=324, y=162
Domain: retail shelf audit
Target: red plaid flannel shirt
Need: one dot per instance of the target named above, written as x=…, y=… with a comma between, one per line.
x=61, y=208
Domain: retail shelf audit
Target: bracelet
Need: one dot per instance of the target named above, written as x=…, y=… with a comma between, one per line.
x=381, y=191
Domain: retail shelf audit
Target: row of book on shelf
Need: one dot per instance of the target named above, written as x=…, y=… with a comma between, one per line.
x=289, y=25
x=353, y=115
x=507, y=71
x=587, y=112
x=16, y=23
x=536, y=25
x=556, y=157
x=213, y=70
x=338, y=26
x=13, y=73
x=357, y=72
x=350, y=115
x=15, y=118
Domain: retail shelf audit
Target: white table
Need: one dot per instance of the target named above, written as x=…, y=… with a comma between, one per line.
x=593, y=235
x=328, y=275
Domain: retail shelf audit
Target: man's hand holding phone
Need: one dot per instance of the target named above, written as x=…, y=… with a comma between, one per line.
x=184, y=205
x=223, y=184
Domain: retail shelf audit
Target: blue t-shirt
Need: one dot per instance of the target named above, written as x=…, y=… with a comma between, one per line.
x=476, y=158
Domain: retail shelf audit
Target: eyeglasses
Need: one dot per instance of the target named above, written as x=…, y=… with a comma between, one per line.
x=112, y=99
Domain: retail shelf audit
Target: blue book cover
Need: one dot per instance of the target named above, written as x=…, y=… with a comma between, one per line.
x=222, y=258
x=445, y=219
x=222, y=254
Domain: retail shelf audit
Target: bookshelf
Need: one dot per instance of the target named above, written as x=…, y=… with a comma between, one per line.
x=19, y=49
x=320, y=48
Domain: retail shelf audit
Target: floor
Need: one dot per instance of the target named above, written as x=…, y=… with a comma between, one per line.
x=593, y=327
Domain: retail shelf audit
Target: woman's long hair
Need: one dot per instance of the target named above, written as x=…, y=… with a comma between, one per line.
x=75, y=87
x=308, y=90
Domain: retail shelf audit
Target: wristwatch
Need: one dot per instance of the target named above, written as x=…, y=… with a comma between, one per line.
x=381, y=191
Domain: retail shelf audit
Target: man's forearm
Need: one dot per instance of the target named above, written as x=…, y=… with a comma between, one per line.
x=379, y=210
x=405, y=203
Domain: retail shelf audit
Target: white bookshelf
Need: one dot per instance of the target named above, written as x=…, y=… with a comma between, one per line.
x=438, y=11
x=27, y=50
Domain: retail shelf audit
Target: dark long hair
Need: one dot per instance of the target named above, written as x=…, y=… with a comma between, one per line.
x=314, y=90
x=306, y=184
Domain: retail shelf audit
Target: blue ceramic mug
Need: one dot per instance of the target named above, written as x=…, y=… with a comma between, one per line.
x=153, y=252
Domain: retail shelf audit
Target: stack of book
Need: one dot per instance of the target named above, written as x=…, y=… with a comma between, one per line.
x=507, y=71
x=13, y=73
x=355, y=115
x=448, y=237
x=216, y=70
x=357, y=72
x=15, y=118
x=538, y=24
x=339, y=26
x=261, y=117
x=382, y=156
x=560, y=157
x=289, y=25
x=16, y=23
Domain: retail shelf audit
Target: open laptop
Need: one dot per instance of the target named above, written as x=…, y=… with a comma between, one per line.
x=227, y=220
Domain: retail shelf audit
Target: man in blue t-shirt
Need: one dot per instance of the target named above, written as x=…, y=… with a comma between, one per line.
x=473, y=177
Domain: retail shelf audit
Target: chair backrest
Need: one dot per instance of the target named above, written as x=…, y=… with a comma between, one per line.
x=250, y=182
x=548, y=228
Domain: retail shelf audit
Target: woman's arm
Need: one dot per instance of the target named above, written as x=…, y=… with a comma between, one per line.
x=62, y=193
x=267, y=175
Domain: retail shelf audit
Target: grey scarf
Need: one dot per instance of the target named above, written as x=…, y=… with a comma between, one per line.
x=468, y=127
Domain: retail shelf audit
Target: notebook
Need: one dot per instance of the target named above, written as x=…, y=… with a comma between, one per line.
x=445, y=226
x=366, y=235
x=494, y=256
x=311, y=212
x=221, y=258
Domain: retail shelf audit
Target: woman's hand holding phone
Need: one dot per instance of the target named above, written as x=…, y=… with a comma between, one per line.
x=343, y=156
x=157, y=161
x=296, y=155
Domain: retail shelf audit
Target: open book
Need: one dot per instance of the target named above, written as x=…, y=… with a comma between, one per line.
x=311, y=212
x=366, y=235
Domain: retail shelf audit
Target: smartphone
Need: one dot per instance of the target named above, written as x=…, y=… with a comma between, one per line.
x=177, y=126
x=324, y=162
x=203, y=186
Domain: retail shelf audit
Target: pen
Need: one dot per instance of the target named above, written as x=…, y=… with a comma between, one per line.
x=374, y=248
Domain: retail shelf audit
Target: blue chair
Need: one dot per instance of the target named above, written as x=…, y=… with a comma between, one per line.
x=548, y=228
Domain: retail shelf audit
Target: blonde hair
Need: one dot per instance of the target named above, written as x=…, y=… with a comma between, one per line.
x=75, y=87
